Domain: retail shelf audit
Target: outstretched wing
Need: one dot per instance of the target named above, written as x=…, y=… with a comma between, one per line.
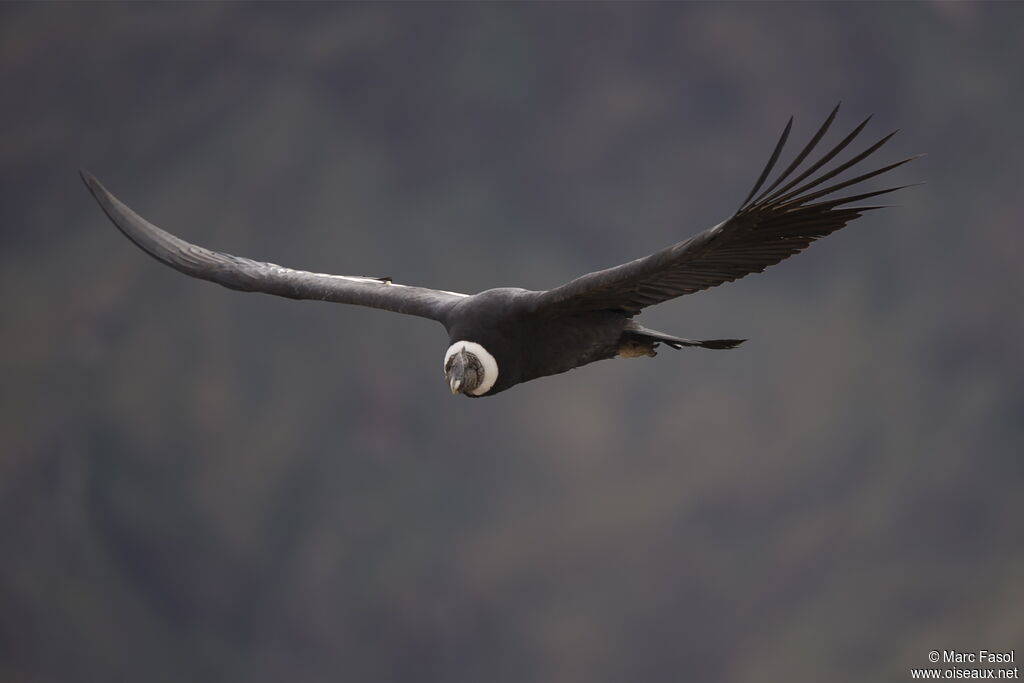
x=779, y=222
x=246, y=275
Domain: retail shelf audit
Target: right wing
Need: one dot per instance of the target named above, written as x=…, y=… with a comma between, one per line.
x=247, y=275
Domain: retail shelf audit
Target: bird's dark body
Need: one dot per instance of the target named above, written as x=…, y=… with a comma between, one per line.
x=503, y=337
x=526, y=340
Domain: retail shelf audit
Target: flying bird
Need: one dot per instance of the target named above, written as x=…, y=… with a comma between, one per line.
x=502, y=337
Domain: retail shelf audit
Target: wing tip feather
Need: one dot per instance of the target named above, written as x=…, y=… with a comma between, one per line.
x=771, y=161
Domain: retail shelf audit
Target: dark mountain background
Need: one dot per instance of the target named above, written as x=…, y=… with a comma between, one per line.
x=202, y=485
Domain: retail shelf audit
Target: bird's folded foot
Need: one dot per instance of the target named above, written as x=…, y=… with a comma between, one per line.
x=636, y=348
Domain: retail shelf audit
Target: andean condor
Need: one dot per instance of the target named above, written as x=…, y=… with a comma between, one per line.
x=501, y=337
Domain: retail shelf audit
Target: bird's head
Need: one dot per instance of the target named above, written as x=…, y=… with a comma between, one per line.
x=469, y=369
x=463, y=372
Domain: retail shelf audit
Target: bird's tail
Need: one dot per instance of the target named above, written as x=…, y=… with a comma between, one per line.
x=643, y=334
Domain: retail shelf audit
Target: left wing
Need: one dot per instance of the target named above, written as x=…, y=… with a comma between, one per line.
x=247, y=275
x=780, y=221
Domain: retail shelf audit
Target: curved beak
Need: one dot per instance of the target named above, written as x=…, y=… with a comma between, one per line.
x=457, y=372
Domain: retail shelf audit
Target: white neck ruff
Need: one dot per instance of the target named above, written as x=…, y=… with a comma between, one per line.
x=486, y=360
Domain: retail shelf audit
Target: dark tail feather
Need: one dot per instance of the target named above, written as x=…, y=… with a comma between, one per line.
x=704, y=343
x=679, y=342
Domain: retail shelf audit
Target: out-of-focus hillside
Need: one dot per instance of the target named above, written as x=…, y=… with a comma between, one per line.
x=201, y=485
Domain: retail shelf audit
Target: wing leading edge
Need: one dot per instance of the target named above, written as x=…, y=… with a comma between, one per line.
x=784, y=219
x=247, y=275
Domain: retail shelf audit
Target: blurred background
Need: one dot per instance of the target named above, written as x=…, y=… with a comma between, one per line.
x=203, y=485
